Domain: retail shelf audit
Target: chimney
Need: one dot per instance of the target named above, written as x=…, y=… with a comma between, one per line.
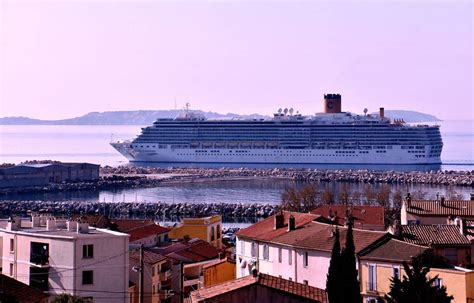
x=14, y=223
x=35, y=220
x=291, y=223
x=396, y=228
x=50, y=224
x=460, y=224
x=408, y=199
x=82, y=228
x=382, y=113
x=279, y=220
x=442, y=201
x=71, y=225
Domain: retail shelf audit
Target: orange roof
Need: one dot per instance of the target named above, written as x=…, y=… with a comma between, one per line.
x=284, y=287
x=392, y=250
x=363, y=215
x=146, y=231
x=125, y=225
x=99, y=221
x=439, y=235
x=22, y=293
x=264, y=230
x=310, y=235
x=461, y=208
x=149, y=256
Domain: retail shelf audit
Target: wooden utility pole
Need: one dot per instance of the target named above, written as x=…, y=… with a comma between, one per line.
x=140, y=278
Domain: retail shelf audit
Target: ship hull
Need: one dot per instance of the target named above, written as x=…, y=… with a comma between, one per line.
x=394, y=156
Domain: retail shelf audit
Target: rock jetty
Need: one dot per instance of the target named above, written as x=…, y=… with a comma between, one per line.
x=457, y=178
x=233, y=212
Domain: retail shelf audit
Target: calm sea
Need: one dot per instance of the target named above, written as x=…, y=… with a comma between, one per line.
x=91, y=144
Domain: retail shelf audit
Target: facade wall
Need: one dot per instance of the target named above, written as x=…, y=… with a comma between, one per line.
x=219, y=273
x=314, y=273
x=151, y=285
x=66, y=264
x=458, y=283
x=200, y=228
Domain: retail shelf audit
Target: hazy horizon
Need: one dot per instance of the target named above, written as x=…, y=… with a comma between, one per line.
x=61, y=60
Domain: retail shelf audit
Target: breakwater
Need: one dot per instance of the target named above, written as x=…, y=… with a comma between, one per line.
x=456, y=178
x=231, y=212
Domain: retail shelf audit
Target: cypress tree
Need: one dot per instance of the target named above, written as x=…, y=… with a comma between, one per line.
x=333, y=282
x=350, y=282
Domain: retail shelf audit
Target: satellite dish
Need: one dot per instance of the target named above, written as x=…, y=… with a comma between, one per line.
x=291, y=111
x=285, y=111
x=280, y=110
x=365, y=111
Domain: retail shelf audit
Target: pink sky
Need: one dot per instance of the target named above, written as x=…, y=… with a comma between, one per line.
x=62, y=59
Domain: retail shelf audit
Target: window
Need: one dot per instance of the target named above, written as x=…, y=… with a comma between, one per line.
x=212, y=234
x=396, y=272
x=253, y=251
x=372, y=278
x=290, y=257
x=154, y=289
x=153, y=271
x=218, y=231
x=11, y=269
x=242, y=247
x=279, y=254
x=12, y=245
x=87, y=277
x=305, y=259
x=266, y=253
x=88, y=251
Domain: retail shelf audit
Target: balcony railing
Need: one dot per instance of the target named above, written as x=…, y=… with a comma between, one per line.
x=165, y=275
x=40, y=260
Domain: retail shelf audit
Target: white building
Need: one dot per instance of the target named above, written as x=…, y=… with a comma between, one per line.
x=294, y=246
x=60, y=256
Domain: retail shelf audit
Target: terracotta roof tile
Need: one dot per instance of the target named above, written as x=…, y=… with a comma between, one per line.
x=461, y=208
x=365, y=216
x=195, y=250
x=146, y=231
x=392, y=250
x=125, y=225
x=280, y=284
x=149, y=256
x=21, y=292
x=447, y=235
x=264, y=230
x=308, y=234
x=99, y=221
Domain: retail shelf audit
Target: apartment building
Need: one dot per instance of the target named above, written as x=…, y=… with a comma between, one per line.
x=379, y=263
x=208, y=229
x=60, y=256
x=294, y=246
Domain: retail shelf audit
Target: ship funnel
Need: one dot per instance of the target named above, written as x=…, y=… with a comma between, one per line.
x=332, y=103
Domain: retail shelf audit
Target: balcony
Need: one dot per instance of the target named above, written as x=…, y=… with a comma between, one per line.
x=165, y=275
x=191, y=280
x=39, y=254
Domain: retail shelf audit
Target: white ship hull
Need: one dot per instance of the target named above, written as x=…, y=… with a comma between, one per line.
x=393, y=155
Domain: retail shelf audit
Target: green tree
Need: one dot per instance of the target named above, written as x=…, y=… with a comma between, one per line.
x=416, y=286
x=350, y=282
x=333, y=281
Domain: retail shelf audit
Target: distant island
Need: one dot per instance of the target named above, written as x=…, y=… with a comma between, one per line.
x=146, y=117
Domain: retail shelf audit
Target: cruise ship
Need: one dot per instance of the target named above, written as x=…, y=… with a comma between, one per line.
x=331, y=137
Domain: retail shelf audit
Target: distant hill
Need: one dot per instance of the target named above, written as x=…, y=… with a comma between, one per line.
x=146, y=117
x=136, y=117
x=409, y=116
